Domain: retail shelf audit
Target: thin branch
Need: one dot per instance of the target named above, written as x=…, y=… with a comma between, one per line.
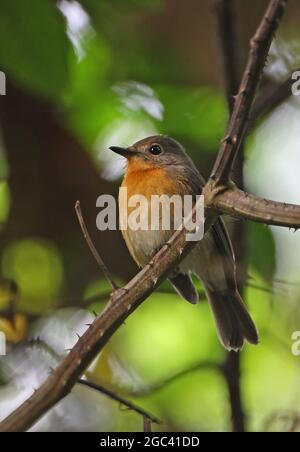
x=226, y=25
x=122, y=303
x=147, y=425
x=260, y=45
x=231, y=372
x=203, y=365
x=244, y=205
x=130, y=405
x=230, y=55
x=272, y=96
x=92, y=247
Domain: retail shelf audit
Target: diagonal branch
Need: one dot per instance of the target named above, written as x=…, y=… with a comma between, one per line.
x=260, y=45
x=273, y=95
x=130, y=405
x=92, y=247
x=121, y=304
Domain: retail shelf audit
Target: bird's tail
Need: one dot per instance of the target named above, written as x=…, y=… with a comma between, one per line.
x=234, y=323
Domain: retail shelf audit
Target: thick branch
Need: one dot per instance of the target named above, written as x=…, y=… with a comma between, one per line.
x=122, y=303
x=260, y=45
x=239, y=204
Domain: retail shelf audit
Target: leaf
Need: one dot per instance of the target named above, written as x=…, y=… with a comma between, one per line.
x=34, y=47
x=261, y=250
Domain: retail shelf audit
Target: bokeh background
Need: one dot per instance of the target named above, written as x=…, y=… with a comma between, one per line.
x=83, y=75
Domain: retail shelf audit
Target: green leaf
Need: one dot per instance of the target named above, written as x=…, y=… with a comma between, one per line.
x=261, y=250
x=34, y=47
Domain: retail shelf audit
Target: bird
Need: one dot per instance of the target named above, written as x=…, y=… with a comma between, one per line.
x=159, y=165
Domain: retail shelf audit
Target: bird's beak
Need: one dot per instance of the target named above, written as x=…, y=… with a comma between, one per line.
x=125, y=152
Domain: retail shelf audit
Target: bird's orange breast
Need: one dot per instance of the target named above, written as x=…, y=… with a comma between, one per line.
x=142, y=178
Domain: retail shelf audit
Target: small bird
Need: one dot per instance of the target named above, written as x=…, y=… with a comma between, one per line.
x=158, y=165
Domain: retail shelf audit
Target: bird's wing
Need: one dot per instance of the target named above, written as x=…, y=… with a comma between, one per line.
x=219, y=230
x=183, y=284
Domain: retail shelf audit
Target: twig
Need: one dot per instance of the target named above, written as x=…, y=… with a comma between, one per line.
x=147, y=425
x=203, y=365
x=231, y=372
x=131, y=406
x=272, y=96
x=92, y=247
x=260, y=45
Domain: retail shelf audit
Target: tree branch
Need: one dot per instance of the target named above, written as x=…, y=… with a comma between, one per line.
x=147, y=425
x=230, y=55
x=121, y=304
x=226, y=25
x=202, y=365
x=259, y=49
x=92, y=247
x=272, y=96
x=240, y=204
x=131, y=406
x=124, y=301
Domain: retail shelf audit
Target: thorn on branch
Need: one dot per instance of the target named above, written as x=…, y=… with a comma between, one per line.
x=128, y=405
x=259, y=48
x=227, y=140
x=155, y=281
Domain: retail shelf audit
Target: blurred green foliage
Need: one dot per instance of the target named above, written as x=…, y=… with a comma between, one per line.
x=34, y=47
x=261, y=247
x=4, y=202
x=36, y=266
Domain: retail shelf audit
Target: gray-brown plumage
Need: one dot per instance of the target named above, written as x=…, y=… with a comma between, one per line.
x=159, y=165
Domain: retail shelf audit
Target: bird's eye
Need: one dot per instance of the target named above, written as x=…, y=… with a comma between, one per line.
x=155, y=149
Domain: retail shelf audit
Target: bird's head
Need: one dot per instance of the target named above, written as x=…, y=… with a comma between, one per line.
x=155, y=151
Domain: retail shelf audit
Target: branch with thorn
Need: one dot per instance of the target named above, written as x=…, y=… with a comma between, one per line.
x=97, y=387
x=218, y=198
x=147, y=417
x=230, y=53
x=259, y=48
